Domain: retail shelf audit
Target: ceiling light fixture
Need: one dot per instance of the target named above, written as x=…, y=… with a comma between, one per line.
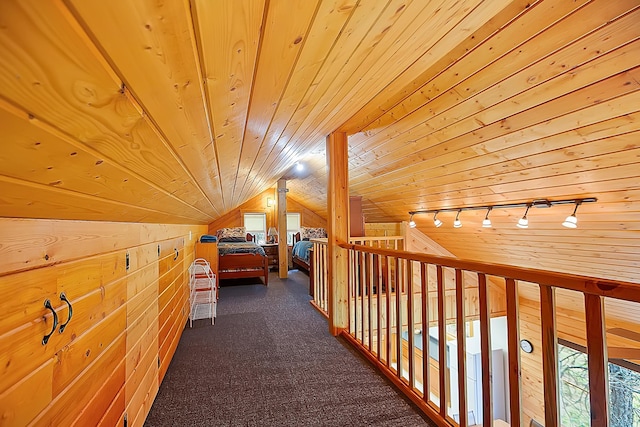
x=436, y=221
x=457, y=223
x=570, y=222
x=524, y=222
x=299, y=167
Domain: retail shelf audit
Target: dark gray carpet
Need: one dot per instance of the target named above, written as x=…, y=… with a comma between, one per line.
x=270, y=361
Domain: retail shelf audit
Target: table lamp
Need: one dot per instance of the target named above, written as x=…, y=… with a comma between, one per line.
x=272, y=233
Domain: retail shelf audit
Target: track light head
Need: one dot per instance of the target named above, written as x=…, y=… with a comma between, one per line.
x=486, y=223
x=412, y=223
x=457, y=223
x=436, y=221
x=572, y=221
x=524, y=222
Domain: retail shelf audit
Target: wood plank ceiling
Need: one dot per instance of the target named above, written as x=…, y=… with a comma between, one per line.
x=179, y=111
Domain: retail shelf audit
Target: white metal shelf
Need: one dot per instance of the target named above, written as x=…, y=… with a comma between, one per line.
x=203, y=295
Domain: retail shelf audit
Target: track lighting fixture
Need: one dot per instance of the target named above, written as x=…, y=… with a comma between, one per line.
x=570, y=222
x=524, y=222
x=436, y=221
x=457, y=223
x=486, y=222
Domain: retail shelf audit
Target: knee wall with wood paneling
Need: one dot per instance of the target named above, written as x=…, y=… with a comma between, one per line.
x=128, y=287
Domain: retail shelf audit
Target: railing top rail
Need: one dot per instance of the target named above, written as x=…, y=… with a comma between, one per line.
x=591, y=285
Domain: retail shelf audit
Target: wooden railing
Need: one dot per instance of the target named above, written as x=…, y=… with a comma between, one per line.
x=320, y=277
x=380, y=242
x=396, y=297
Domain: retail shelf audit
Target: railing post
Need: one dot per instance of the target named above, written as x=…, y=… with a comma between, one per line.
x=283, y=263
x=338, y=225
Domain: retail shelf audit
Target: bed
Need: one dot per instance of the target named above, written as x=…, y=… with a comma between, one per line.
x=302, y=251
x=239, y=256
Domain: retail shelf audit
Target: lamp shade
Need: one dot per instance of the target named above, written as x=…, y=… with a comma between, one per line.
x=571, y=222
x=272, y=232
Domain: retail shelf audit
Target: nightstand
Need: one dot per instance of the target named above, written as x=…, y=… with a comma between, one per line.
x=271, y=249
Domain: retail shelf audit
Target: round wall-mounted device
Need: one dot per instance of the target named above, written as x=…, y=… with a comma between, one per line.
x=526, y=346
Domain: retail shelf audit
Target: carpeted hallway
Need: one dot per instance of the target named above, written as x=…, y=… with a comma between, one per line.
x=270, y=361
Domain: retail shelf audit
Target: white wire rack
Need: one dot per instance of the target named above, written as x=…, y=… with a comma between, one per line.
x=203, y=295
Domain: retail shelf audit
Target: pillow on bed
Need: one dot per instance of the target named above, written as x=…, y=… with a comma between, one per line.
x=235, y=234
x=307, y=233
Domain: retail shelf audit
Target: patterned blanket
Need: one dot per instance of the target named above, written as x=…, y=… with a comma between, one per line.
x=226, y=248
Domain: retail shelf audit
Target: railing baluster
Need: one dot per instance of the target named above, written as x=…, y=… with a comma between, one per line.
x=364, y=278
x=387, y=274
x=398, y=290
x=462, y=348
x=353, y=299
x=549, y=355
x=353, y=292
x=370, y=280
x=325, y=275
x=361, y=278
x=376, y=268
x=485, y=350
x=322, y=282
x=410, y=323
x=425, y=332
x=325, y=279
x=442, y=343
x=513, y=337
x=598, y=361
x=358, y=299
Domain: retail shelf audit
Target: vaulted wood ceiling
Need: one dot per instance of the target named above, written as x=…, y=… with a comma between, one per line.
x=179, y=111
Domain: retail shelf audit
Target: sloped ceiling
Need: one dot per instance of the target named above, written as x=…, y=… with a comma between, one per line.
x=179, y=111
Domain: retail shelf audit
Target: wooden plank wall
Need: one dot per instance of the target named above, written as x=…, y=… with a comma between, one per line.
x=380, y=229
x=259, y=204
x=126, y=323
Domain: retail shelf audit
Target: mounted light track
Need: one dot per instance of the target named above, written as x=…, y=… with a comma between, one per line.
x=570, y=222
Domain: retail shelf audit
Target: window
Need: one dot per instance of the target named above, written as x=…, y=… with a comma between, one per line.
x=624, y=389
x=256, y=224
x=293, y=226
